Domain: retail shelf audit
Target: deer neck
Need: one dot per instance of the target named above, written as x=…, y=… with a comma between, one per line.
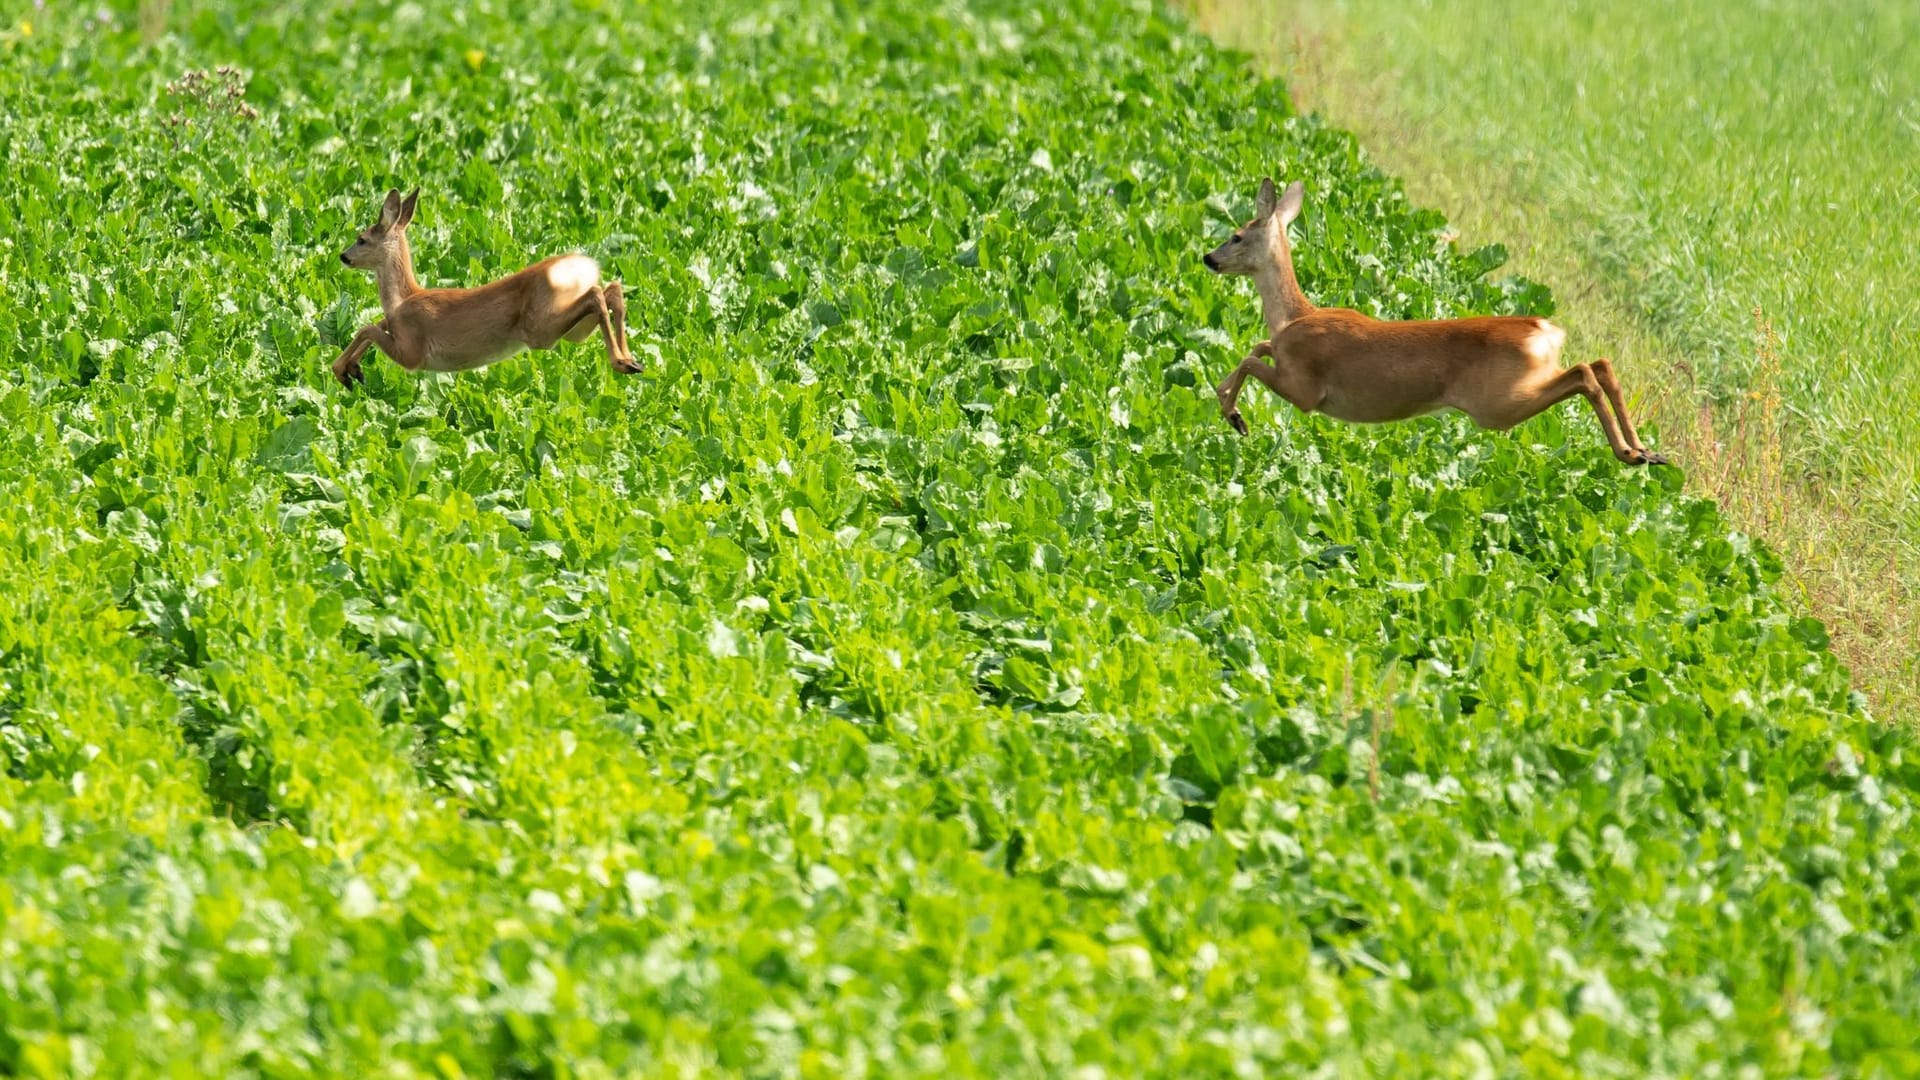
x=1281, y=301
x=395, y=275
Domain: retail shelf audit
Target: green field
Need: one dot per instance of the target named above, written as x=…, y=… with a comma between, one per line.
x=911, y=674
x=1675, y=171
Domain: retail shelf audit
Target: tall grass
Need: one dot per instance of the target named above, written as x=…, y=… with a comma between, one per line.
x=1722, y=198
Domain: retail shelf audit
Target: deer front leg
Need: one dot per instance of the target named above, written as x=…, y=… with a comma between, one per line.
x=1229, y=389
x=1285, y=378
x=347, y=367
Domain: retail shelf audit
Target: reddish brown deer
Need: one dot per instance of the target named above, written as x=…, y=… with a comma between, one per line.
x=558, y=299
x=1499, y=370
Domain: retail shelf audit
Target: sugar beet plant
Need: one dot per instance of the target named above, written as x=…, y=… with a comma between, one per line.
x=910, y=674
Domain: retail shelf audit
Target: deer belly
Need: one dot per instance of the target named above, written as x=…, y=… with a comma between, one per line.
x=466, y=355
x=1375, y=408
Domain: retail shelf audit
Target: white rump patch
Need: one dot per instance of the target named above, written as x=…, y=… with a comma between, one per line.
x=1547, y=341
x=573, y=275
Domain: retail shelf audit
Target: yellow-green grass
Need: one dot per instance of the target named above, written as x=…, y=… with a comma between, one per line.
x=1722, y=198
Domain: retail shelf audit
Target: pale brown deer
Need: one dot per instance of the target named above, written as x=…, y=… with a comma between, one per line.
x=557, y=299
x=1499, y=370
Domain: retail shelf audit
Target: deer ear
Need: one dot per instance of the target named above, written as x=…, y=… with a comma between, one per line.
x=406, y=209
x=390, y=210
x=1290, y=202
x=1264, y=202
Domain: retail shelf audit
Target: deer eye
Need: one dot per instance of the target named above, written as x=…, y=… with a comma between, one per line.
x=1237, y=238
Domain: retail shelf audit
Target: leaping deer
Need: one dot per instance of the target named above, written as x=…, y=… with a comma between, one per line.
x=1499, y=370
x=462, y=329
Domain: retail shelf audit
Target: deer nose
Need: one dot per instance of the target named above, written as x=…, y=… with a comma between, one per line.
x=343, y=258
x=1208, y=259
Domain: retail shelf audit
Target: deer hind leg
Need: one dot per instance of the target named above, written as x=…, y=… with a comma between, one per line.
x=1526, y=403
x=617, y=312
x=1610, y=385
x=579, y=319
x=609, y=316
x=583, y=329
x=1284, y=378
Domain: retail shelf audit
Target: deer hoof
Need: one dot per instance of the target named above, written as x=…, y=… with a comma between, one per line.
x=1239, y=424
x=1653, y=459
x=351, y=377
x=626, y=367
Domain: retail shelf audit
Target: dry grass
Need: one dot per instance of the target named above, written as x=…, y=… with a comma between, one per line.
x=1852, y=570
x=152, y=19
x=1844, y=569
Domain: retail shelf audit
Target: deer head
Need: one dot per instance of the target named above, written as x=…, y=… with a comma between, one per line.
x=380, y=242
x=1260, y=242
